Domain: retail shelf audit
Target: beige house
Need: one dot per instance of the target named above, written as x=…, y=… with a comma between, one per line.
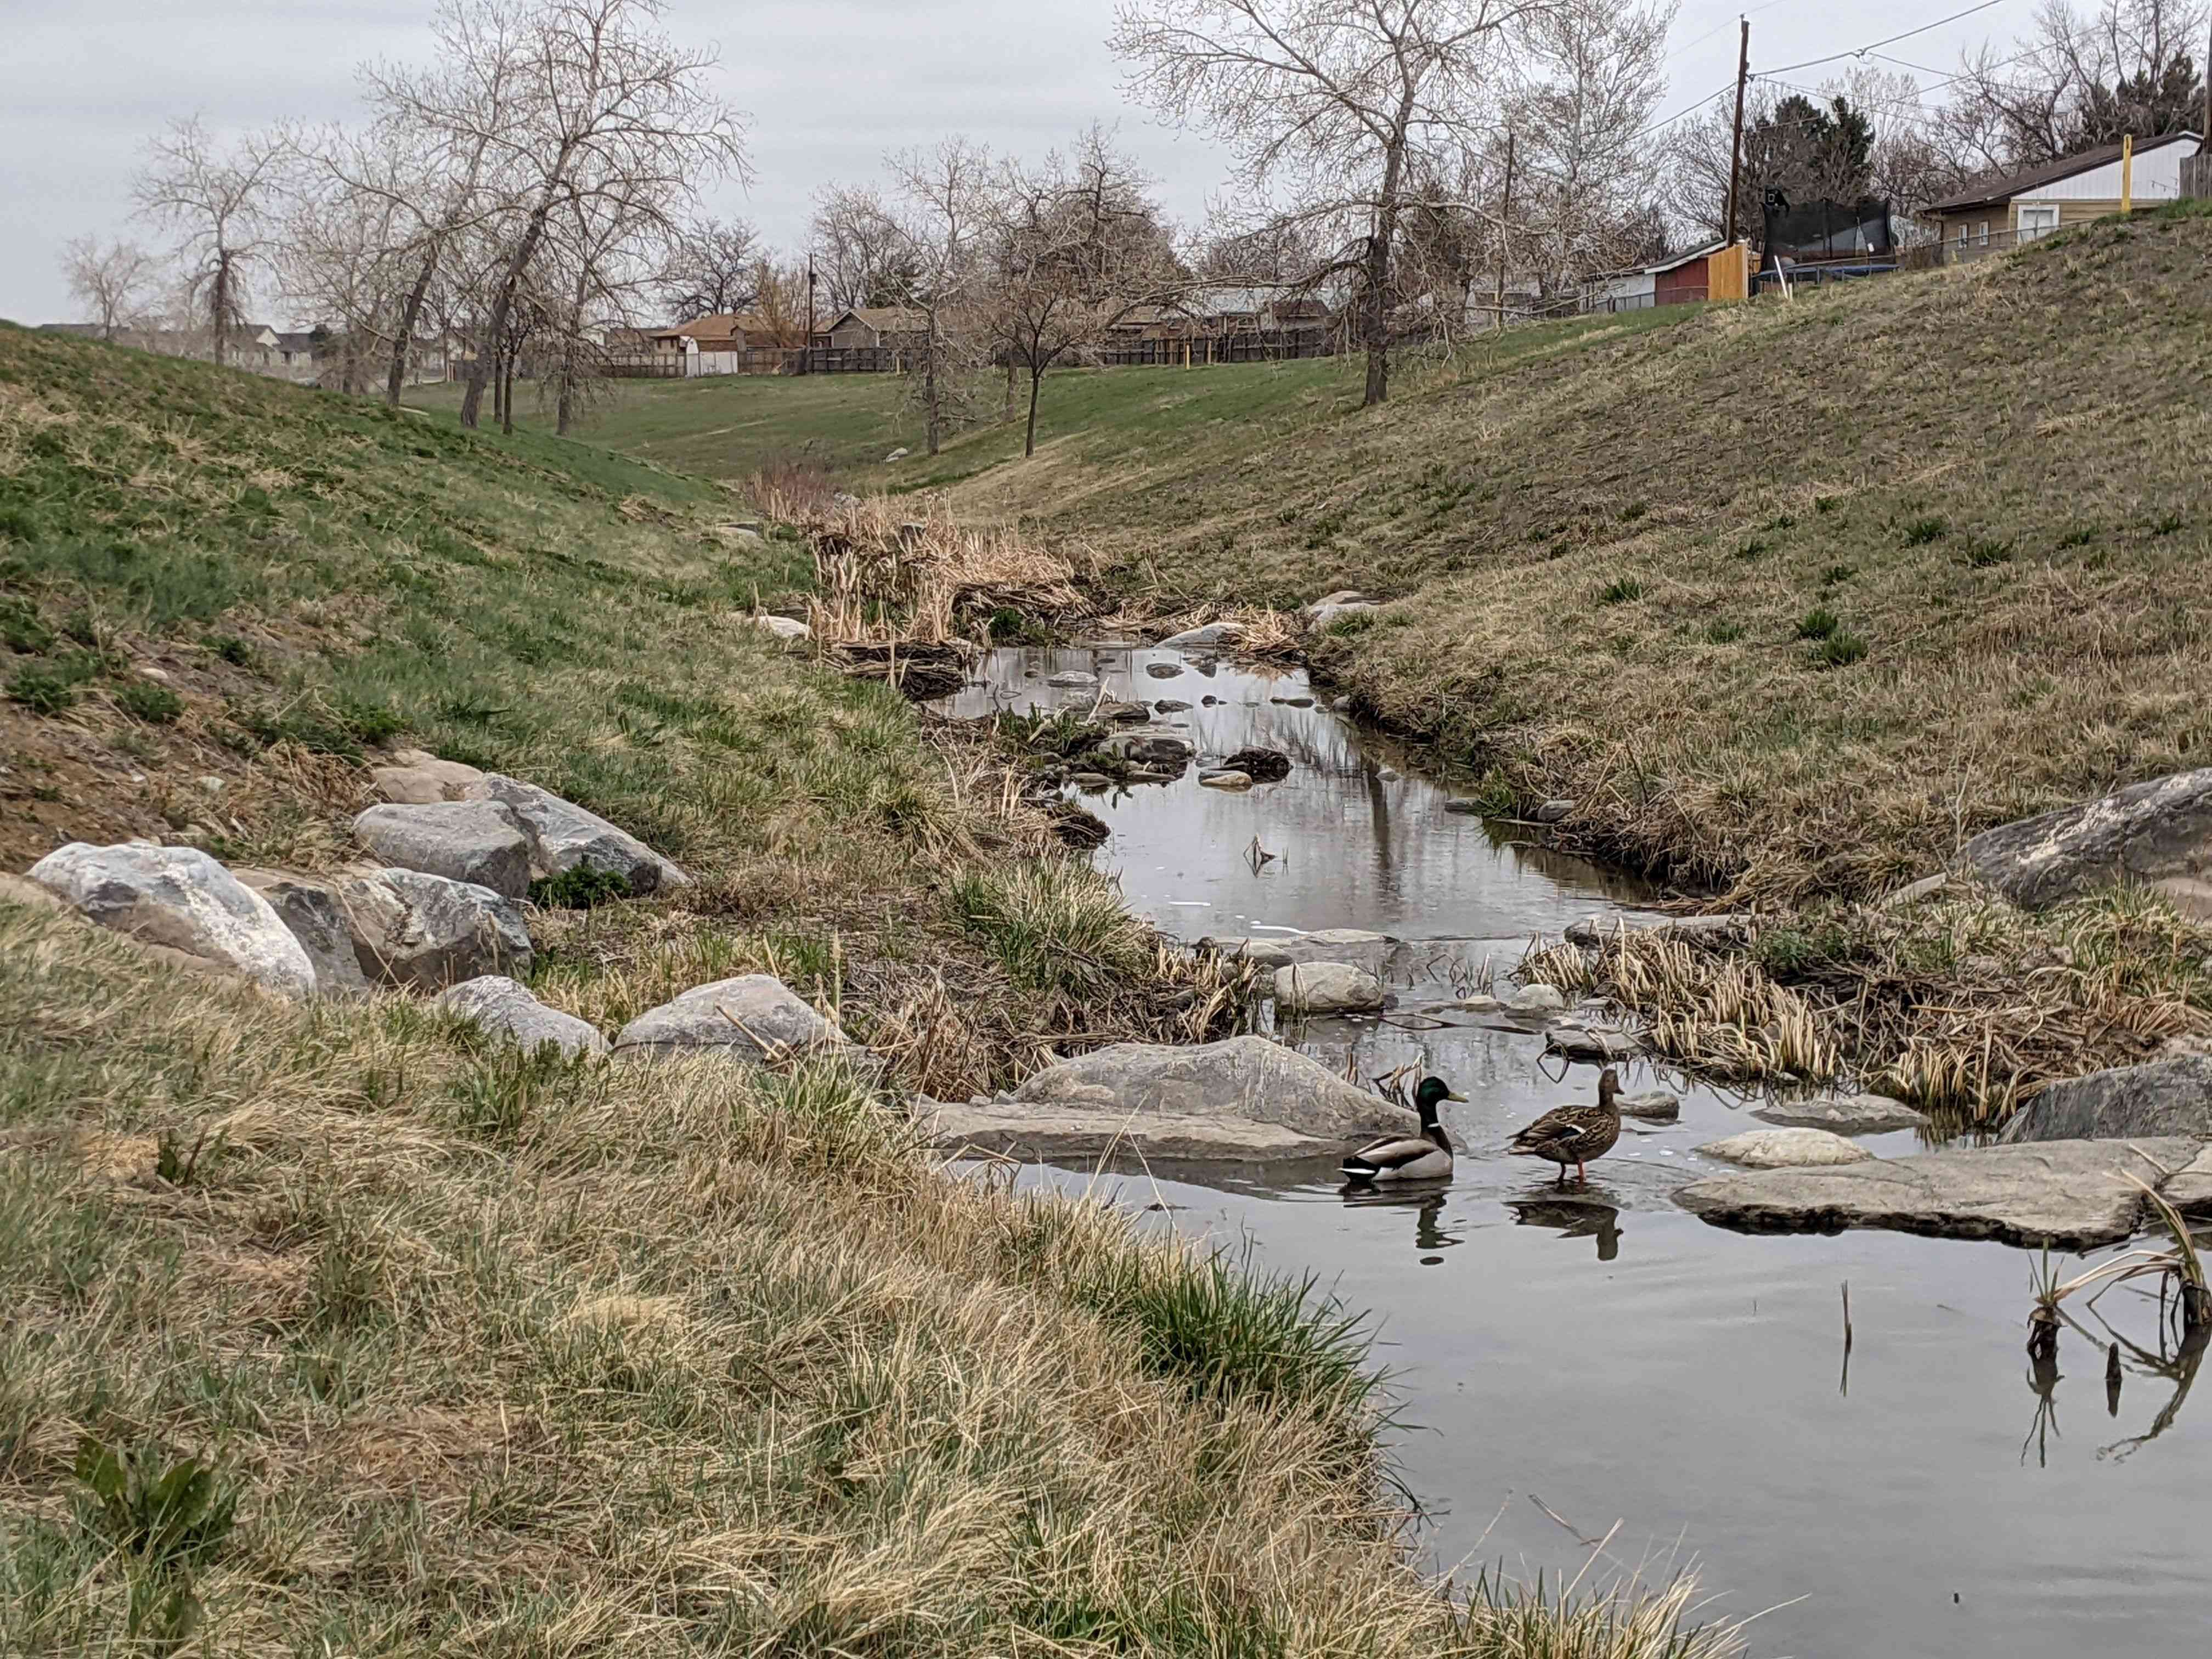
x=2003, y=212
x=900, y=327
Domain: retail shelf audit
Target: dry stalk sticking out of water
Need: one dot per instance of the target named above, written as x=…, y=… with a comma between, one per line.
x=1720, y=1013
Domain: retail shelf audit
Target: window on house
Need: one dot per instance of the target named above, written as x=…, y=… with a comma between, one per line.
x=2036, y=221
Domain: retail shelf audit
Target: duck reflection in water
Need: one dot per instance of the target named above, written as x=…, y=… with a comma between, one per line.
x=1579, y=1217
x=1428, y=1207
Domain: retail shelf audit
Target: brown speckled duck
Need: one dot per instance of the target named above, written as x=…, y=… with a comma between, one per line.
x=1575, y=1134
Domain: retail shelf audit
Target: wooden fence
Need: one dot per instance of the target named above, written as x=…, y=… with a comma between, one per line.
x=1195, y=350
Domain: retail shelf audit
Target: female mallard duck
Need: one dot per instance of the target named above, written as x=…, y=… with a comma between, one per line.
x=1425, y=1156
x=1575, y=1134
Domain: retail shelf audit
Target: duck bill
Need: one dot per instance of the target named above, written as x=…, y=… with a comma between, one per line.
x=1461, y=1098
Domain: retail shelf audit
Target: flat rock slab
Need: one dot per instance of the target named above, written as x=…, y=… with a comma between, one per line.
x=563, y=836
x=2189, y=1190
x=1029, y=1132
x=754, y=1017
x=1328, y=988
x=1536, y=1000
x=1786, y=1149
x=2073, y=1193
x=179, y=899
x=1224, y=781
x=1212, y=636
x=1844, y=1115
x=2148, y=830
x=1574, y=1041
x=2162, y=1097
x=507, y=1009
x=1327, y=944
x=1247, y=1078
x=471, y=840
x=1595, y=930
x=1653, y=1106
x=414, y=777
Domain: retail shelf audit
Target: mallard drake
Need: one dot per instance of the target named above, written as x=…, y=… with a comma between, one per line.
x=1575, y=1134
x=1425, y=1156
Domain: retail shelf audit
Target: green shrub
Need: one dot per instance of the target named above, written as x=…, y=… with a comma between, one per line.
x=1626, y=591
x=1840, y=650
x=145, y=700
x=1817, y=623
x=2079, y=536
x=22, y=627
x=1724, y=633
x=580, y=889
x=232, y=649
x=43, y=690
x=1837, y=573
x=162, y=1514
x=1752, y=549
x=1921, y=531
x=1982, y=553
x=1633, y=511
x=1352, y=622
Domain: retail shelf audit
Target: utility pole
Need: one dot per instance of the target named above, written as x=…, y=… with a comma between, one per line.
x=1735, y=145
x=1504, y=217
x=806, y=350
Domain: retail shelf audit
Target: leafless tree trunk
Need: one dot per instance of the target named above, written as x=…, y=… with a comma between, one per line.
x=221, y=202
x=1332, y=110
x=944, y=191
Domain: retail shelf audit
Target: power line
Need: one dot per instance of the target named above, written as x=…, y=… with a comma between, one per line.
x=1860, y=52
x=1718, y=92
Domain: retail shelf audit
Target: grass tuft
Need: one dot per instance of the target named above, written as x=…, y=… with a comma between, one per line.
x=1817, y=623
x=1623, y=590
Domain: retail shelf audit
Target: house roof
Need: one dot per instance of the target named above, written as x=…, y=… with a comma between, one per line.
x=301, y=341
x=715, y=325
x=884, y=319
x=1992, y=191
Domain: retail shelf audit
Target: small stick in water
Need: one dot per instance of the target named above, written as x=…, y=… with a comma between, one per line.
x=2113, y=1380
x=1844, y=1386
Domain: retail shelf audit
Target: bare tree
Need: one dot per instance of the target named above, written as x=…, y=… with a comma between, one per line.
x=610, y=109
x=859, y=248
x=2077, y=82
x=1078, y=246
x=1332, y=111
x=221, y=202
x=708, y=269
x=944, y=191
x=778, y=317
x=118, y=282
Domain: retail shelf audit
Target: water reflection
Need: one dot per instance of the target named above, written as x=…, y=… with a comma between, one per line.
x=1579, y=1216
x=1430, y=1234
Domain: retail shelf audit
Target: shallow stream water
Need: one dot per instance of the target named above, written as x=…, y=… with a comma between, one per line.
x=1592, y=1361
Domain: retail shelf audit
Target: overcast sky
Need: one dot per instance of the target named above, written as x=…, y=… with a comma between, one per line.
x=829, y=85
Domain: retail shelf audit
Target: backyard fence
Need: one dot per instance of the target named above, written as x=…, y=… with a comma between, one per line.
x=1195, y=350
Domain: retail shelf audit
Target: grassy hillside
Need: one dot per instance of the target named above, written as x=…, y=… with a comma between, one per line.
x=333, y=1329
x=1792, y=597
x=731, y=427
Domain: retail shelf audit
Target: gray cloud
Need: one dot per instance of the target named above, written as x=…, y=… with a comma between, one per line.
x=830, y=85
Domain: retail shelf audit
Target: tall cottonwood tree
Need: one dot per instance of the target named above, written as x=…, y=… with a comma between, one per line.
x=1334, y=110
x=608, y=108
x=222, y=201
x=710, y=269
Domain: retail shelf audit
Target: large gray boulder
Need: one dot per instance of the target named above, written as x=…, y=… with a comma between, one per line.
x=2074, y=1193
x=754, y=1017
x=503, y=1007
x=1599, y=930
x=1844, y=1115
x=1326, y=988
x=2162, y=1097
x=1248, y=1079
x=179, y=898
x=414, y=929
x=414, y=777
x=1572, y=1039
x=563, y=836
x=316, y=917
x=2160, y=829
x=471, y=841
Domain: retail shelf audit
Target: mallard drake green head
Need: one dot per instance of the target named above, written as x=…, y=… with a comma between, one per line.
x=1432, y=1093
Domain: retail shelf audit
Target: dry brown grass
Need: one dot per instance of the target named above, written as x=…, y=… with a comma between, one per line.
x=1964, y=1006
x=508, y=1356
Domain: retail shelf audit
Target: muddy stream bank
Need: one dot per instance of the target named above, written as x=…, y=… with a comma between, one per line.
x=1567, y=1360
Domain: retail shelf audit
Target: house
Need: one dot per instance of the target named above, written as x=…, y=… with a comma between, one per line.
x=1678, y=280
x=2019, y=208
x=718, y=332
x=901, y=327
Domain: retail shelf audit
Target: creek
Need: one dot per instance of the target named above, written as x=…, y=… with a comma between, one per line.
x=1592, y=1361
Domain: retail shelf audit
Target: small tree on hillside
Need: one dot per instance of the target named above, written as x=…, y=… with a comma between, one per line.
x=944, y=193
x=118, y=282
x=221, y=202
